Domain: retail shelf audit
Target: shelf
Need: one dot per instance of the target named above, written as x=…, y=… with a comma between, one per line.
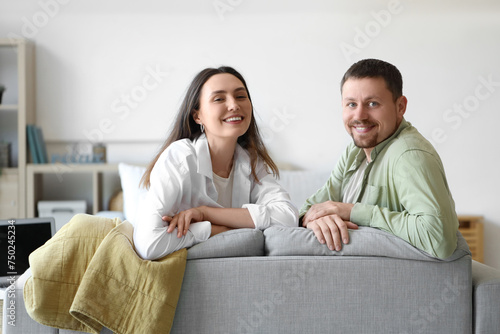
x=8, y=170
x=17, y=61
x=9, y=42
x=34, y=171
x=8, y=107
x=71, y=168
x=9, y=192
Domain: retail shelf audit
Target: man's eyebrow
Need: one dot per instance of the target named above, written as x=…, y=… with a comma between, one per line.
x=348, y=98
x=371, y=97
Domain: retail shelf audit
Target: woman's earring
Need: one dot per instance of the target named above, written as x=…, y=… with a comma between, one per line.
x=202, y=128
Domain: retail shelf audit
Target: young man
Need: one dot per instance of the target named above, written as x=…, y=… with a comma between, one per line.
x=390, y=177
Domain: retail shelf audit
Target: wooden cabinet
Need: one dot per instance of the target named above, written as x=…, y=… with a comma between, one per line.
x=16, y=110
x=472, y=229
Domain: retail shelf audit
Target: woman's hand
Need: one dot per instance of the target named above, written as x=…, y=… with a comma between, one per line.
x=183, y=219
x=224, y=217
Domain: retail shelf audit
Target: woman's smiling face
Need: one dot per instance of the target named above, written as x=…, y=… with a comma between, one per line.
x=225, y=109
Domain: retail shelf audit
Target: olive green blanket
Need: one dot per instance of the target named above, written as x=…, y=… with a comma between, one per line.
x=89, y=276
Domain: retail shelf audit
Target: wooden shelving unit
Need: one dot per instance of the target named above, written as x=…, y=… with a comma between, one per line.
x=9, y=193
x=17, y=69
x=35, y=184
x=472, y=229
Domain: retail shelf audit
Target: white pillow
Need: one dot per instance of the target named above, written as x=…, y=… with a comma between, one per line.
x=133, y=195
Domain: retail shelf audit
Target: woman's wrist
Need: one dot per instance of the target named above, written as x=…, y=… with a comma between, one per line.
x=204, y=212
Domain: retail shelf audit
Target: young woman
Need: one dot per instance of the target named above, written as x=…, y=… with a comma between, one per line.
x=212, y=174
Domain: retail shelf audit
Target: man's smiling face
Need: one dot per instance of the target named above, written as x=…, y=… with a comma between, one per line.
x=369, y=111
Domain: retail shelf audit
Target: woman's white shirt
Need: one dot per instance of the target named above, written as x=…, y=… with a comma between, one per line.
x=182, y=178
x=224, y=188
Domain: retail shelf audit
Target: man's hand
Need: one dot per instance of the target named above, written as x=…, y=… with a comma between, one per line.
x=331, y=229
x=343, y=210
x=183, y=219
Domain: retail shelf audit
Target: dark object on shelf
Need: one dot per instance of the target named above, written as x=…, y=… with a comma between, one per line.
x=99, y=153
x=4, y=154
x=2, y=89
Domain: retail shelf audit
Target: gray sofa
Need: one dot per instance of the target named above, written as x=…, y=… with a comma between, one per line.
x=283, y=281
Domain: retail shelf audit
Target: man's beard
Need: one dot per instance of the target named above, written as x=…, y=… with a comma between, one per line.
x=367, y=141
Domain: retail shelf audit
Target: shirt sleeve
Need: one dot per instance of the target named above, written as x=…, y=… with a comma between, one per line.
x=270, y=203
x=428, y=219
x=170, y=182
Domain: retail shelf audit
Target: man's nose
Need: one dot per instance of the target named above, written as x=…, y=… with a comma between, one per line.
x=360, y=113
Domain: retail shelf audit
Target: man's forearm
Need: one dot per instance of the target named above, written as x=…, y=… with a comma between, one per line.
x=430, y=233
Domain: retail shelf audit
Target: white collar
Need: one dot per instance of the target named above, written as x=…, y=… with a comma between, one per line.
x=241, y=158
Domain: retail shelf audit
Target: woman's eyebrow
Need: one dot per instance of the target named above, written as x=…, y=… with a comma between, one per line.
x=221, y=91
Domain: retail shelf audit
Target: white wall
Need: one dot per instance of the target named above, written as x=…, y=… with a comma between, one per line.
x=93, y=55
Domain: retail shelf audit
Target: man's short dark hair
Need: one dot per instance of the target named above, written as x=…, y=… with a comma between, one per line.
x=375, y=68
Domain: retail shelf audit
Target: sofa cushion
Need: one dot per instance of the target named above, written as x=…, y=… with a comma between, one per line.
x=234, y=243
x=365, y=241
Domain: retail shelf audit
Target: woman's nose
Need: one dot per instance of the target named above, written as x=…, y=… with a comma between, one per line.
x=233, y=104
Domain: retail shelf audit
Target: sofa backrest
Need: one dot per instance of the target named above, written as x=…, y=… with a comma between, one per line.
x=365, y=241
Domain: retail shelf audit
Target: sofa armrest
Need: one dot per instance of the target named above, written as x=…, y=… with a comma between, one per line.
x=486, y=296
x=15, y=317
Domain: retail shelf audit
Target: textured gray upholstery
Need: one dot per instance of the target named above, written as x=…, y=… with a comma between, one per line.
x=486, y=281
x=233, y=243
x=365, y=241
x=22, y=323
x=379, y=284
x=320, y=294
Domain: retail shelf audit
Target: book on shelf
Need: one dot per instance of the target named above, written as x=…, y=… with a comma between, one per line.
x=41, y=148
x=31, y=143
x=36, y=144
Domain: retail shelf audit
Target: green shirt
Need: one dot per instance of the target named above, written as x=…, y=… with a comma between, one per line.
x=404, y=191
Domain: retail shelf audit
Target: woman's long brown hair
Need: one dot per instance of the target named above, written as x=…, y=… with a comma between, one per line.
x=185, y=126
